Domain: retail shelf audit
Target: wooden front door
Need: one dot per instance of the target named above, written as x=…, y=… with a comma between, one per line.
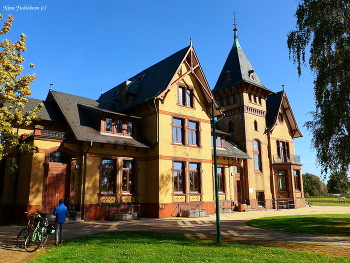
x=56, y=184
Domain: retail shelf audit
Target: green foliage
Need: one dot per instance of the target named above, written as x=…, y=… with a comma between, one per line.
x=338, y=183
x=14, y=87
x=323, y=27
x=139, y=246
x=334, y=225
x=313, y=186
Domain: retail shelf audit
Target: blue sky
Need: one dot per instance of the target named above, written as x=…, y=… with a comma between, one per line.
x=85, y=46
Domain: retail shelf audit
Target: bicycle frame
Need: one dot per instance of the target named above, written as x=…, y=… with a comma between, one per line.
x=24, y=233
x=38, y=236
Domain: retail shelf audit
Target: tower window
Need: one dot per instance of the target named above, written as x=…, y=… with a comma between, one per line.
x=257, y=155
x=255, y=125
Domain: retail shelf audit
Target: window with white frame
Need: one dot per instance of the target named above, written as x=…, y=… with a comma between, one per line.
x=193, y=133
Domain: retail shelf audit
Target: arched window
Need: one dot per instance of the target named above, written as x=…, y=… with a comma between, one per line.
x=255, y=125
x=257, y=155
x=59, y=157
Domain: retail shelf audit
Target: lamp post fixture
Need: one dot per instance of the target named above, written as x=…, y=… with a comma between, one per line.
x=217, y=203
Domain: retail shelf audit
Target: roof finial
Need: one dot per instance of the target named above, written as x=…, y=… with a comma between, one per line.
x=235, y=25
x=190, y=41
x=51, y=86
x=283, y=87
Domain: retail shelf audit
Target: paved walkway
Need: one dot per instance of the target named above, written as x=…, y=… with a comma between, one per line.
x=232, y=225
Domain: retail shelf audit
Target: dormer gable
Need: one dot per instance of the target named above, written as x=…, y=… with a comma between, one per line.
x=278, y=111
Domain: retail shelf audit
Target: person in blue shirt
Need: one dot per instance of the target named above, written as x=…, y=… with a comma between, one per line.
x=60, y=212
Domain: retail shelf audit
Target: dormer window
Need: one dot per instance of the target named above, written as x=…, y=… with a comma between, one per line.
x=251, y=74
x=228, y=76
x=119, y=126
x=114, y=125
x=109, y=125
x=129, y=128
x=219, y=141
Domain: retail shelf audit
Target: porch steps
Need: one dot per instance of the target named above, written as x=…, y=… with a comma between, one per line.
x=247, y=208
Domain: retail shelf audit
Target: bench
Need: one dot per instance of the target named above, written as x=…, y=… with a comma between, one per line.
x=341, y=199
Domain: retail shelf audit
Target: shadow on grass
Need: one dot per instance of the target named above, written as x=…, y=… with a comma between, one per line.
x=140, y=237
x=336, y=225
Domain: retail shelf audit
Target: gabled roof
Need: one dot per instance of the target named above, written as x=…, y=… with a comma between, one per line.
x=47, y=113
x=273, y=104
x=84, y=117
x=237, y=69
x=154, y=81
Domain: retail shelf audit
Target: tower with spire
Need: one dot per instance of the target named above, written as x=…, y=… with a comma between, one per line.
x=250, y=119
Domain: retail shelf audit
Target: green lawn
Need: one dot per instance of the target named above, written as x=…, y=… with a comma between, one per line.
x=137, y=246
x=330, y=201
x=337, y=225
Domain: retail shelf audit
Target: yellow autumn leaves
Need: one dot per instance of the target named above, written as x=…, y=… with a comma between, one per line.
x=14, y=87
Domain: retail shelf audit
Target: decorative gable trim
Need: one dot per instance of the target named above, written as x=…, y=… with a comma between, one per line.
x=287, y=110
x=194, y=69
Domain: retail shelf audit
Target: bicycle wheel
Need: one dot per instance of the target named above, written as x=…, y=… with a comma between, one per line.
x=21, y=237
x=45, y=236
x=32, y=242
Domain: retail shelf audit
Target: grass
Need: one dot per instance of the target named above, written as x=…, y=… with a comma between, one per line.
x=138, y=246
x=330, y=201
x=335, y=224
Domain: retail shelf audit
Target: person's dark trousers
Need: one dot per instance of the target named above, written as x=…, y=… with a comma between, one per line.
x=59, y=232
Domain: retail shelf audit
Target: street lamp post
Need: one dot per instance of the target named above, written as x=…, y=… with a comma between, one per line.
x=217, y=203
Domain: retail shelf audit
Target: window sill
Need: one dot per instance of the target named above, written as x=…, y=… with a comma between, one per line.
x=116, y=135
x=127, y=193
x=178, y=144
x=179, y=193
x=185, y=106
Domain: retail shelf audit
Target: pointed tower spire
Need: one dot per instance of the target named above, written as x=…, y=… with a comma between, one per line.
x=235, y=36
x=237, y=68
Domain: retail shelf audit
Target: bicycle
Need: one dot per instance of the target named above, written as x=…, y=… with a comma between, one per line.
x=38, y=236
x=23, y=234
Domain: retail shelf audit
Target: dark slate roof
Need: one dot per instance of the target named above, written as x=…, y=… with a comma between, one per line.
x=150, y=82
x=231, y=150
x=48, y=112
x=273, y=104
x=239, y=67
x=85, y=123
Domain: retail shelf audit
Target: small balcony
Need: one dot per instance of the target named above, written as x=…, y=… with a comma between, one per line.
x=283, y=159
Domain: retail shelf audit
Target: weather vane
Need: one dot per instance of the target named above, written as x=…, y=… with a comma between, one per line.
x=234, y=24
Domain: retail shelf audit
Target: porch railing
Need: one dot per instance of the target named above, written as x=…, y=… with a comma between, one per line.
x=286, y=159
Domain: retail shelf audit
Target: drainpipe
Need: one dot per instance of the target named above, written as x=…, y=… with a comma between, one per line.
x=157, y=122
x=84, y=180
